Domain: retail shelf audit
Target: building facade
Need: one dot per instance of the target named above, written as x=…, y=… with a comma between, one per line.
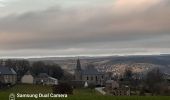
x=45, y=79
x=7, y=75
x=89, y=75
x=27, y=78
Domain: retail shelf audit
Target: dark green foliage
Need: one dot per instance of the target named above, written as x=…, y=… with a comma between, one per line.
x=155, y=83
x=52, y=70
x=55, y=71
x=62, y=88
x=38, y=67
x=91, y=86
x=67, y=76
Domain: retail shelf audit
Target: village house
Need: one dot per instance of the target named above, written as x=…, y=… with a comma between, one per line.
x=113, y=88
x=42, y=78
x=111, y=84
x=121, y=91
x=7, y=75
x=166, y=76
x=45, y=79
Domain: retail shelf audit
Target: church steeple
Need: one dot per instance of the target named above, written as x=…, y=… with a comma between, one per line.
x=78, y=71
x=78, y=66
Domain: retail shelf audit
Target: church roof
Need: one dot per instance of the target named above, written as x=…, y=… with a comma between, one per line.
x=91, y=71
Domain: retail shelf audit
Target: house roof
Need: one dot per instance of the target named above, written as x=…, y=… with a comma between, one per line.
x=52, y=78
x=7, y=71
x=43, y=75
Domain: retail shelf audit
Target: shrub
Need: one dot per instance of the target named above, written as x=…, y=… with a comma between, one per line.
x=62, y=88
x=91, y=86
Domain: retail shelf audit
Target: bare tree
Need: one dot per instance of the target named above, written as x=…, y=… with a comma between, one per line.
x=154, y=80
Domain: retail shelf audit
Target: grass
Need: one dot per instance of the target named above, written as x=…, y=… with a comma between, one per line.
x=24, y=88
x=79, y=94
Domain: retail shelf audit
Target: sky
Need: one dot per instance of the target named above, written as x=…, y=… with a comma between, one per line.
x=40, y=28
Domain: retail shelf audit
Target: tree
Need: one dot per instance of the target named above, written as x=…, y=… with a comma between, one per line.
x=10, y=63
x=67, y=76
x=62, y=88
x=154, y=80
x=128, y=74
x=38, y=67
x=20, y=66
x=55, y=71
x=91, y=86
x=129, y=80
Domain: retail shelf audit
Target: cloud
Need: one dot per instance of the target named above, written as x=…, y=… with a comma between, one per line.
x=120, y=24
x=2, y=3
x=134, y=5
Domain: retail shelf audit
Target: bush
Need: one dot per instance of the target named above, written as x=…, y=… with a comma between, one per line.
x=62, y=88
x=91, y=86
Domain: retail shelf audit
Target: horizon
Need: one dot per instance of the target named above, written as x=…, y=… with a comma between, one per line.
x=82, y=56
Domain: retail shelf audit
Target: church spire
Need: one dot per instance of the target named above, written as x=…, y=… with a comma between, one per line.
x=78, y=67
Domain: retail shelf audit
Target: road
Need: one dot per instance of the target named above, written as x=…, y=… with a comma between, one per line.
x=100, y=89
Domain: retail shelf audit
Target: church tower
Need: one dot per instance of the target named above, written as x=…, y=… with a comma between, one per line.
x=78, y=66
x=78, y=71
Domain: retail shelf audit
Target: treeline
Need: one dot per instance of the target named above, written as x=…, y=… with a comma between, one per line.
x=153, y=82
x=35, y=68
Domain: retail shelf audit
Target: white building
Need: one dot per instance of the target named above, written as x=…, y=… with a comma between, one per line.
x=27, y=78
x=42, y=78
x=45, y=79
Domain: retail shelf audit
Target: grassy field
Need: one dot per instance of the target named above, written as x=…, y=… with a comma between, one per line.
x=79, y=94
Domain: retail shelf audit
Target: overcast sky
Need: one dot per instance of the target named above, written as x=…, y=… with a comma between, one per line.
x=30, y=28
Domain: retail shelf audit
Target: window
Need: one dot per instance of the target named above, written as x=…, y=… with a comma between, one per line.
x=96, y=78
x=87, y=78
